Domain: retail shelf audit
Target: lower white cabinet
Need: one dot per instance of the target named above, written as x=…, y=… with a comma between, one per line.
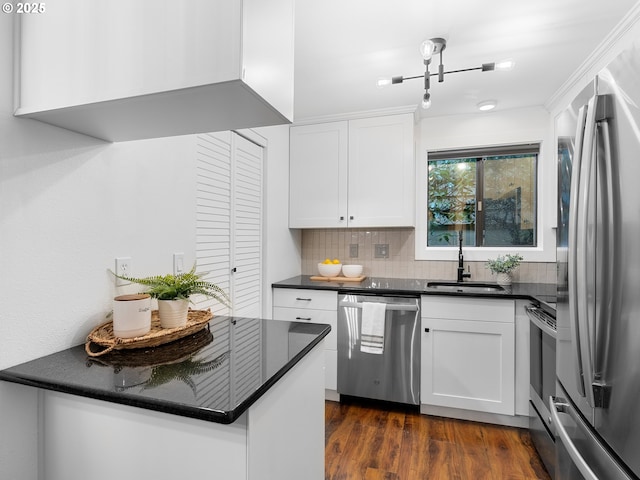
x=468, y=354
x=317, y=306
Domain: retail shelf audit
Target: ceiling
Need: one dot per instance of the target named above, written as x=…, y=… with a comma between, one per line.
x=343, y=46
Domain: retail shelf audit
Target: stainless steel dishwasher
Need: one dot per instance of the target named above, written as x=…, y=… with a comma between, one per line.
x=392, y=374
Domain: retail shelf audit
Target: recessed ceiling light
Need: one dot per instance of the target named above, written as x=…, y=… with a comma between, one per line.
x=487, y=105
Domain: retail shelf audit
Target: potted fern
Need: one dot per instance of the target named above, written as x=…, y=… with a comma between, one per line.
x=173, y=292
x=503, y=266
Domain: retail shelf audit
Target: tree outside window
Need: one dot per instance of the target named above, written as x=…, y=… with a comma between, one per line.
x=489, y=195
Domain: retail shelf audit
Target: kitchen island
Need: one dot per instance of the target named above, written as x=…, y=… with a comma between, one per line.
x=241, y=399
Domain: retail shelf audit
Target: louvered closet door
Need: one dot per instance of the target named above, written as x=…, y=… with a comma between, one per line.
x=229, y=219
x=247, y=228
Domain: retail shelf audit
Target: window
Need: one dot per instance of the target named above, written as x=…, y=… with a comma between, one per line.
x=489, y=194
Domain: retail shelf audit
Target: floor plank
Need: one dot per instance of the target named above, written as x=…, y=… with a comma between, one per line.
x=372, y=441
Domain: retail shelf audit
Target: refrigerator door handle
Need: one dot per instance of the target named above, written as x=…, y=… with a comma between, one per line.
x=583, y=254
x=607, y=262
x=561, y=433
x=572, y=260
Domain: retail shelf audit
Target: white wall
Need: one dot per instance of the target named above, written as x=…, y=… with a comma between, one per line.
x=283, y=247
x=485, y=129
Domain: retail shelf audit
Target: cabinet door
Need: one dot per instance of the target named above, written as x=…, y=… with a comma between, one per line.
x=382, y=172
x=468, y=364
x=318, y=175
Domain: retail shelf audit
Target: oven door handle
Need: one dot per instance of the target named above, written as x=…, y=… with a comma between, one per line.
x=539, y=323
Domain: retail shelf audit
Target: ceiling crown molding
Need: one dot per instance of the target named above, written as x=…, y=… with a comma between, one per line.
x=593, y=60
x=355, y=115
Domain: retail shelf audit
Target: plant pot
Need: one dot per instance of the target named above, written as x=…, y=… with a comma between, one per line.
x=504, y=279
x=131, y=315
x=173, y=313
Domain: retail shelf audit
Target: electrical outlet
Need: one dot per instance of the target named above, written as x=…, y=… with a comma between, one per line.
x=123, y=268
x=178, y=263
x=353, y=250
x=381, y=250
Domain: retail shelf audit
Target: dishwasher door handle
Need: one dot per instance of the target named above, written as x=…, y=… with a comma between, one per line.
x=389, y=306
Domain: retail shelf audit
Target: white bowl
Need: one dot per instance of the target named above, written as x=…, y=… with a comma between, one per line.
x=329, y=269
x=352, y=270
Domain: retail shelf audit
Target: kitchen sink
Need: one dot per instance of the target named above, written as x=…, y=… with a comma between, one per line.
x=466, y=287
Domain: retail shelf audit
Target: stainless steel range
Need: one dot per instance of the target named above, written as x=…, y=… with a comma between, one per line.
x=542, y=373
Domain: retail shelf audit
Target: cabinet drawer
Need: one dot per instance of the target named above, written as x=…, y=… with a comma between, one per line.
x=301, y=298
x=313, y=316
x=468, y=308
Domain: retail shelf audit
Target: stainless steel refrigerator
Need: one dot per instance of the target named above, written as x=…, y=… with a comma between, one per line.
x=596, y=411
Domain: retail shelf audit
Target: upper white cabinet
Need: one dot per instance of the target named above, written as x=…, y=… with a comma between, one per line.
x=122, y=70
x=356, y=173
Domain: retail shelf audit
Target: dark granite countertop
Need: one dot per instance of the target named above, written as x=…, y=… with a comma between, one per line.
x=410, y=286
x=213, y=375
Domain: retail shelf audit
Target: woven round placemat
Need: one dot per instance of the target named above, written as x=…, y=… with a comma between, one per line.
x=102, y=336
x=173, y=352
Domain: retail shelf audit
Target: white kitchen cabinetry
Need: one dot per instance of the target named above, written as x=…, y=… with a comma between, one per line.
x=317, y=306
x=318, y=175
x=122, y=70
x=468, y=354
x=356, y=173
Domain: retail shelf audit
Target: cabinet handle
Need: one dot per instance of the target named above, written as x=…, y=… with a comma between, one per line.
x=234, y=270
x=351, y=217
x=303, y=318
x=303, y=299
x=426, y=330
x=341, y=218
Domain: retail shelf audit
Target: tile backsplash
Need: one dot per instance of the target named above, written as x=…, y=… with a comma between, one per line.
x=400, y=263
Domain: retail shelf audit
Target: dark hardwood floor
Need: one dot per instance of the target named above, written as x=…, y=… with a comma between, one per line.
x=365, y=441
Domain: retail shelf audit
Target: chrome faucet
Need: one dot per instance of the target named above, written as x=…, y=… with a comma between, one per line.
x=461, y=274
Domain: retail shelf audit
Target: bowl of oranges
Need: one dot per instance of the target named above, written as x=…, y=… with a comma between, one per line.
x=330, y=268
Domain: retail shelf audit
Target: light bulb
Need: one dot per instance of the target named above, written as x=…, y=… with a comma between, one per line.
x=426, y=49
x=505, y=65
x=426, y=101
x=383, y=82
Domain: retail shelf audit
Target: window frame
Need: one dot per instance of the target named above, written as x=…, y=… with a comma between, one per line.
x=544, y=251
x=480, y=155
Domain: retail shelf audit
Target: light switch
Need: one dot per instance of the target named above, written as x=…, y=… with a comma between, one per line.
x=178, y=263
x=381, y=250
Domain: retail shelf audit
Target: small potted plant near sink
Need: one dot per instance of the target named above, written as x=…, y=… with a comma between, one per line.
x=173, y=292
x=503, y=266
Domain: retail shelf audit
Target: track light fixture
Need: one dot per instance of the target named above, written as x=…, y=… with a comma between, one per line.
x=429, y=48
